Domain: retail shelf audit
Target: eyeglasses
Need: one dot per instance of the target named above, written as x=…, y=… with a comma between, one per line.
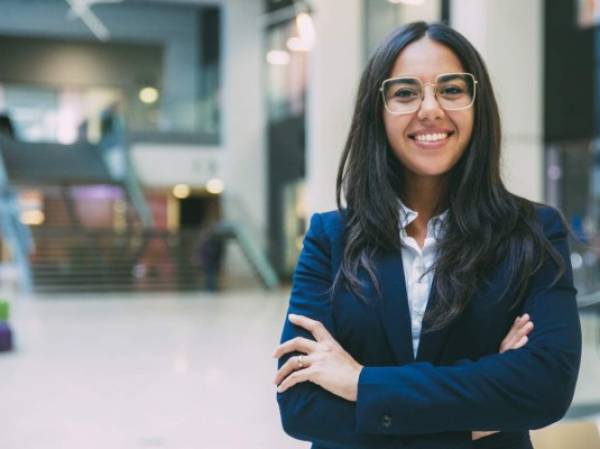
x=453, y=92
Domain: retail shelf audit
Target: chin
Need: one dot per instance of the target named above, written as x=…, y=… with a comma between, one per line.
x=430, y=173
x=429, y=169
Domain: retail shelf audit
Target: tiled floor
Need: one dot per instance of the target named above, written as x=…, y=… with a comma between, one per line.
x=167, y=371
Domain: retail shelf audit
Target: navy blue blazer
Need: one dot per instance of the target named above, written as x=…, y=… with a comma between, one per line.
x=458, y=381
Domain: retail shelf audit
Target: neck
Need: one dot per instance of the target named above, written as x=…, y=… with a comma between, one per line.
x=424, y=194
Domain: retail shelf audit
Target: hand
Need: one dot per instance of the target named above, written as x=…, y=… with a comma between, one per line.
x=517, y=335
x=515, y=339
x=324, y=362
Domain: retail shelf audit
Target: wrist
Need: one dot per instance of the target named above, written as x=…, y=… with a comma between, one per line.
x=354, y=392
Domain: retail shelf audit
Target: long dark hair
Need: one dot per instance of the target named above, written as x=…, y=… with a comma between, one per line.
x=485, y=222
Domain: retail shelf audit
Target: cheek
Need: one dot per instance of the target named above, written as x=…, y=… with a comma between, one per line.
x=395, y=129
x=465, y=127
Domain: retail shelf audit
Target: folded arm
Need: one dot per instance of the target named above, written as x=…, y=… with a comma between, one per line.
x=518, y=390
x=527, y=388
x=308, y=412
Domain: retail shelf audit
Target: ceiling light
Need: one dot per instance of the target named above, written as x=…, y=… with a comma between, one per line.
x=181, y=191
x=32, y=217
x=215, y=186
x=148, y=95
x=306, y=29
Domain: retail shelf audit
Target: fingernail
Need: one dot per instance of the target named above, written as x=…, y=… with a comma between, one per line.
x=291, y=316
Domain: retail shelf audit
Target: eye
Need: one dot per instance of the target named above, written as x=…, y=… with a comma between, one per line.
x=405, y=94
x=451, y=90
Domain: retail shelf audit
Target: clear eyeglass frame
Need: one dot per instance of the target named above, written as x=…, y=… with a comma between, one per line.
x=434, y=84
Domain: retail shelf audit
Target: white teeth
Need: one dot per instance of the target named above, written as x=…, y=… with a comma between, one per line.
x=431, y=137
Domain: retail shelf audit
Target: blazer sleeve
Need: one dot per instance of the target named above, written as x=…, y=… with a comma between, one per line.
x=308, y=412
x=521, y=389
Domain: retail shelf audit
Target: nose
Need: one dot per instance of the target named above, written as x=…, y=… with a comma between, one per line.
x=430, y=108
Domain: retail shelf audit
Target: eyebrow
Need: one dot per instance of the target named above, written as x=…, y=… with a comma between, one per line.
x=443, y=75
x=452, y=76
x=409, y=79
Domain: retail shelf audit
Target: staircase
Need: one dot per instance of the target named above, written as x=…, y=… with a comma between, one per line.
x=96, y=260
x=83, y=246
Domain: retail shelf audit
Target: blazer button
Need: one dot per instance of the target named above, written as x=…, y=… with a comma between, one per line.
x=386, y=421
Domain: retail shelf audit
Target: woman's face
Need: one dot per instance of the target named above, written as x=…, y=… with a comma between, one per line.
x=429, y=141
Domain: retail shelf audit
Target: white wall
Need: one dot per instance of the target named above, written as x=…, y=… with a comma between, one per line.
x=244, y=168
x=335, y=65
x=509, y=36
x=164, y=165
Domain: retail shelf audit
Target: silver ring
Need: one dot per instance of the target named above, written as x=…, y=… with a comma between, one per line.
x=301, y=361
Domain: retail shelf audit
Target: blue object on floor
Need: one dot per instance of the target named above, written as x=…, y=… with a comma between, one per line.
x=6, y=340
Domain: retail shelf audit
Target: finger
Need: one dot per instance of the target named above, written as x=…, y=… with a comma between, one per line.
x=293, y=364
x=293, y=379
x=522, y=342
x=520, y=338
x=508, y=339
x=522, y=332
x=525, y=330
x=513, y=335
x=298, y=344
x=520, y=321
x=478, y=435
x=313, y=326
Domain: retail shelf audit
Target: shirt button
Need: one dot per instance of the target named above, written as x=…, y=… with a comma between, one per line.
x=386, y=421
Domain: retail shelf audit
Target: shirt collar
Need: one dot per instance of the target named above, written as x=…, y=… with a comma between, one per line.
x=434, y=225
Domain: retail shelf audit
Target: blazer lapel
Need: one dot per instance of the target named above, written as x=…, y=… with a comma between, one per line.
x=431, y=342
x=393, y=307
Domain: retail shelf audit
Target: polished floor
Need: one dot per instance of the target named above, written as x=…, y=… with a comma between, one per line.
x=168, y=371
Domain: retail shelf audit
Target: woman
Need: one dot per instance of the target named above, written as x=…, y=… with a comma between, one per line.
x=401, y=300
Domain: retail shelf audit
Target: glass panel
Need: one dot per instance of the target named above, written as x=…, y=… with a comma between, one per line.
x=156, y=65
x=59, y=115
x=286, y=72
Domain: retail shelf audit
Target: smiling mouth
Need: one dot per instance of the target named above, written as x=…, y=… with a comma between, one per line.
x=431, y=137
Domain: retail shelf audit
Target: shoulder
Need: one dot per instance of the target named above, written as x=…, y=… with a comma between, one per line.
x=551, y=219
x=328, y=228
x=330, y=222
